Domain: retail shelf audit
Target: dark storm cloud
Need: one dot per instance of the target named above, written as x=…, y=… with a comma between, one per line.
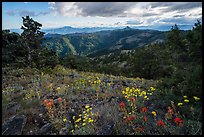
x=104, y=9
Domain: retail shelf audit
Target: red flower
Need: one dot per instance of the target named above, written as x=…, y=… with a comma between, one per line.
x=59, y=99
x=133, y=117
x=144, y=118
x=122, y=104
x=132, y=99
x=129, y=119
x=178, y=121
x=144, y=109
x=139, y=129
x=160, y=123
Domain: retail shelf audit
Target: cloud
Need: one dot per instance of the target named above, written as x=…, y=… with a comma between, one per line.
x=133, y=22
x=172, y=6
x=26, y=13
x=102, y=9
x=11, y=13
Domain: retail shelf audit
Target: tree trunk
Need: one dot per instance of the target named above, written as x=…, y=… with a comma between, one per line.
x=29, y=56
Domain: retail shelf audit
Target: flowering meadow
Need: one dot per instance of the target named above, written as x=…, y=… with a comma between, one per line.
x=63, y=101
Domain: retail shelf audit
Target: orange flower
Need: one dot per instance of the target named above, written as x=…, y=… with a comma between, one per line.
x=51, y=101
x=59, y=99
x=45, y=101
x=144, y=118
x=144, y=109
x=132, y=99
x=122, y=104
x=178, y=121
x=160, y=123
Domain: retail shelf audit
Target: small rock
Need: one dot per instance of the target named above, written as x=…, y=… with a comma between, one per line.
x=14, y=125
x=45, y=129
x=108, y=129
x=13, y=107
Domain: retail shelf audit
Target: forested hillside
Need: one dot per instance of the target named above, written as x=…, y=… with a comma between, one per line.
x=103, y=42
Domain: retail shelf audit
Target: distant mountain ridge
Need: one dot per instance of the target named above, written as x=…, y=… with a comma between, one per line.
x=102, y=42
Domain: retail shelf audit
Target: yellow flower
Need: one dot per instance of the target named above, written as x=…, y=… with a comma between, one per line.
x=154, y=113
x=196, y=98
x=91, y=120
x=58, y=88
x=80, y=115
x=72, y=130
x=152, y=88
x=87, y=106
x=127, y=89
x=78, y=120
x=50, y=85
x=180, y=104
x=73, y=117
x=83, y=124
x=184, y=96
x=186, y=100
x=145, y=96
x=64, y=119
x=76, y=125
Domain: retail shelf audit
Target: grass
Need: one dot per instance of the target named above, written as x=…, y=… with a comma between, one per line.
x=71, y=91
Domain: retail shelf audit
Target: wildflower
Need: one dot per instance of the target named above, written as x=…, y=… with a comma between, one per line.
x=132, y=99
x=78, y=120
x=178, y=121
x=90, y=121
x=160, y=123
x=50, y=85
x=122, y=104
x=186, y=100
x=64, y=119
x=129, y=119
x=170, y=111
x=72, y=130
x=59, y=99
x=144, y=109
x=87, y=106
x=132, y=117
x=180, y=104
x=45, y=101
x=73, y=117
x=58, y=88
x=139, y=129
x=83, y=124
x=145, y=97
x=127, y=89
x=154, y=113
x=152, y=88
x=196, y=98
x=184, y=96
x=144, y=118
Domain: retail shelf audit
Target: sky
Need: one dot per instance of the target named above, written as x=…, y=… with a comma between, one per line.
x=102, y=14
